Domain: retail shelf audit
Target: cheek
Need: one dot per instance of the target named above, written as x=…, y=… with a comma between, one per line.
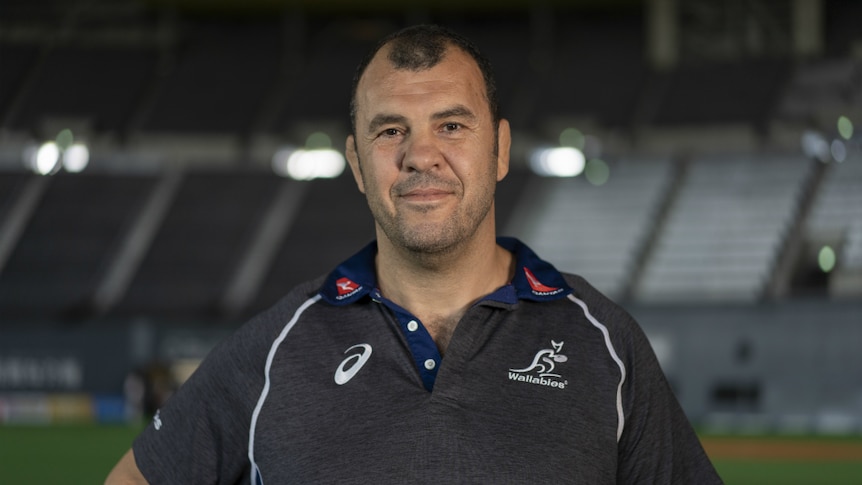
x=376, y=180
x=479, y=166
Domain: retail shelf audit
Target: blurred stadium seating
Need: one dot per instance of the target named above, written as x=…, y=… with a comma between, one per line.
x=725, y=231
x=598, y=232
x=729, y=180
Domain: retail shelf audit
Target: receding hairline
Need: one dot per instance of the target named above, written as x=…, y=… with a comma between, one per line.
x=426, y=46
x=384, y=54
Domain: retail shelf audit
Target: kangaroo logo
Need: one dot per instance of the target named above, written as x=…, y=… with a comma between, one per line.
x=545, y=361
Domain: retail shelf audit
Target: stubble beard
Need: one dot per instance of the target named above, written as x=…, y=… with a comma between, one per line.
x=424, y=237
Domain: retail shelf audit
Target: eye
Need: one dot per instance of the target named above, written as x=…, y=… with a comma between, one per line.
x=389, y=132
x=451, y=127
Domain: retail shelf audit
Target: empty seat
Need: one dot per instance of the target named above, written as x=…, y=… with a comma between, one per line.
x=726, y=227
x=837, y=210
x=332, y=224
x=595, y=231
x=70, y=240
x=197, y=249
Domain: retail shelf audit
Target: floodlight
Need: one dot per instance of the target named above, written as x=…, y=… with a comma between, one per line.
x=47, y=158
x=76, y=157
x=557, y=162
x=308, y=164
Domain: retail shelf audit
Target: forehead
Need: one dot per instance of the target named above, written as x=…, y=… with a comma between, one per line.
x=456, y=74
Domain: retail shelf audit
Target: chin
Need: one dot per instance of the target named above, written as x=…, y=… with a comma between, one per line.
x=431, y=240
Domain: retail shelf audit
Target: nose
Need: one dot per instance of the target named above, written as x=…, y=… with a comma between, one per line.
x=421, y=153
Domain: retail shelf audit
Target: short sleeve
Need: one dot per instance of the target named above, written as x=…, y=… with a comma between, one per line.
x=658, y=444
x=201, y=433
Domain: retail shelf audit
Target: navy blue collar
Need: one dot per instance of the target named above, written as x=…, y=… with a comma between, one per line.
x=534, y=280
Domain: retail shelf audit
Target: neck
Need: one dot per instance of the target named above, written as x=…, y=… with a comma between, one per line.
x=439, y=288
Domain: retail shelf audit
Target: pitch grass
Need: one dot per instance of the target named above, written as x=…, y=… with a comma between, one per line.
x=832, y=460
x=62, y=454
x=778, y=472
x=84, y=454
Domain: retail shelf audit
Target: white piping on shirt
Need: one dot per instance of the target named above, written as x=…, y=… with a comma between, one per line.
x=269, y=358
x=620, y=415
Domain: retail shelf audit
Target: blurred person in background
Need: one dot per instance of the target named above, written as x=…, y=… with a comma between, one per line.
x=439, y=353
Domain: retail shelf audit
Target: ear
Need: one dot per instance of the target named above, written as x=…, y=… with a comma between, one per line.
x=504, y=145
x=353, y=161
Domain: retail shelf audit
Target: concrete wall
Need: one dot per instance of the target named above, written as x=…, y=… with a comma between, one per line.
x=788, y=366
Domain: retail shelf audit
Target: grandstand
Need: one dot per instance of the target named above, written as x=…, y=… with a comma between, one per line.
x=711, y=226
x=724, y=233
x=837, y=219
x=598, y=232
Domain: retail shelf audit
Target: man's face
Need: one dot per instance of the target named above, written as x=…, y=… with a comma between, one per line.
x=424, y=152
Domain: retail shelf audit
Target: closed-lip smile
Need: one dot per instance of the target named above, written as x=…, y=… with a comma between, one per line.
x=425, y=194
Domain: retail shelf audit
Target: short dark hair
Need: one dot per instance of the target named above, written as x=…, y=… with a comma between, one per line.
x=422, y=47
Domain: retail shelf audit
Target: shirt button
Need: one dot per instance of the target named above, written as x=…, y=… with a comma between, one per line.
x=412, y=325
x=430, y=364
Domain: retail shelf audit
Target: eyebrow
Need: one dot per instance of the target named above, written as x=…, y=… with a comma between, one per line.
x=457, y=111
x=385, y=119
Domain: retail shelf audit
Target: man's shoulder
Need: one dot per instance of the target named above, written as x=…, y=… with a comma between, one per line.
x=285, y=307
x=598, y=305
x=584, y=290
x=264, y=326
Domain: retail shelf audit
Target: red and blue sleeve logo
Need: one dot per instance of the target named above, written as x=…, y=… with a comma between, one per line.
x=346, y=288
x=540, y=289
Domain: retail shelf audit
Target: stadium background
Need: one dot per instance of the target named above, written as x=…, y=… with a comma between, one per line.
x=152, y=199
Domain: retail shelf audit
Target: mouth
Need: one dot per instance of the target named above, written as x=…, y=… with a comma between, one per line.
x=425, y=195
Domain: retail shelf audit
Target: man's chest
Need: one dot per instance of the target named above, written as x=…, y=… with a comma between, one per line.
x=506, y=403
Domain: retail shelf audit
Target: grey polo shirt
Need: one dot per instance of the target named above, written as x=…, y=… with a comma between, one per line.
x=544, y=380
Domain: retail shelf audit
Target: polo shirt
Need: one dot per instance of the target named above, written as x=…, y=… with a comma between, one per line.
x=543, y=380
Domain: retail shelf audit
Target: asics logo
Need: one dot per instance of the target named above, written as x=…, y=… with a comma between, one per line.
x=351, y=365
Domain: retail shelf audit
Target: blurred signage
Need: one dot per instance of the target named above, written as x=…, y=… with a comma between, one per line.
x=42, y=373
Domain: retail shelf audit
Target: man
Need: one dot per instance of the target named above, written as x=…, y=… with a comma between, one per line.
x=345, y=380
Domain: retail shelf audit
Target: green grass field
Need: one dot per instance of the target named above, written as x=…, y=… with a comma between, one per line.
x=84, y=454
x=787, y=459
x=780, y=472
x=61, y=454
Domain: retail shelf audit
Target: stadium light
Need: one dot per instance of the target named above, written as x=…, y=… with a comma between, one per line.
x=318, y=140
x=845, y=127
x=572, y=137
x=300, y=164
x=597, y=172
x=61, y=153
x=64, y=139
x=838, y=150
x=76, y=157
x=826, y=259
x=557, y=162
x=45, y=160
x=814, y=145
